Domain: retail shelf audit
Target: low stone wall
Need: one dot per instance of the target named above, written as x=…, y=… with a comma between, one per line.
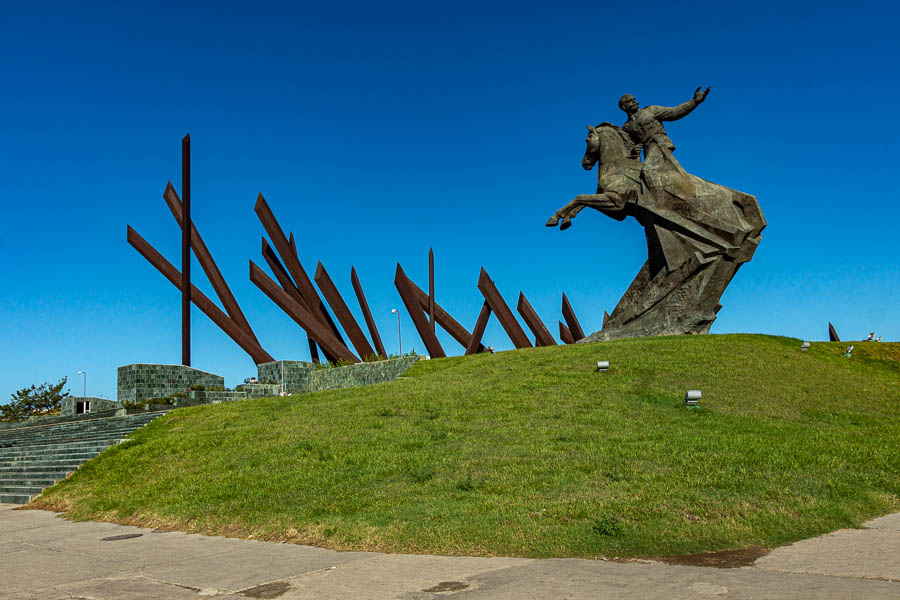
x=211, y=397
x=300, y=377
x=259, y=390
x=141, y=382
x=67, y=406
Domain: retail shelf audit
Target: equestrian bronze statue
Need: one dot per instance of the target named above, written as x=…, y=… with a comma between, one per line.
x=698, y=233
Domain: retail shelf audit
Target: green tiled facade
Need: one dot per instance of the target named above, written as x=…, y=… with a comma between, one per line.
x=141, y=382
x=97, y=404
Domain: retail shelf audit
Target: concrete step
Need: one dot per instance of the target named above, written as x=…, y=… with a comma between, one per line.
x=14, y=498
x=65, y=458
x=34, y=475
x=60, y=452
x=42, y=483
x=32, y=490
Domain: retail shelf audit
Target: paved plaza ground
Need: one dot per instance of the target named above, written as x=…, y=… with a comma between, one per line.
x=49, y=558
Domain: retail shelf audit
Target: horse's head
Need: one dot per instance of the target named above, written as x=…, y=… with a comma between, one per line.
x=592, y=152
x=604, y=145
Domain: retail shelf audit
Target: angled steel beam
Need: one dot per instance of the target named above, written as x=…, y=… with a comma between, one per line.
x=303, y=317
x=542, y=335
x=571, y=320
x=288, y=286
x=401, y=281
x=474, y=346
x=501, y=309
x=832, y=333
x=367, y=314
x=206, y=261
x=292, y=262
x=565, y=335
x=342, y=312
x=249, y=344
x=443, y=318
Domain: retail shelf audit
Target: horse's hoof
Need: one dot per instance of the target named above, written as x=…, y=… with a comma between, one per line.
x=552, y=221
x=566, y=223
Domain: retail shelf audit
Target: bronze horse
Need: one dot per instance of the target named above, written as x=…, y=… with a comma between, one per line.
x=698, y=234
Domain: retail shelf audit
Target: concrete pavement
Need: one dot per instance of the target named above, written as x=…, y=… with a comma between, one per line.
x=45, y=557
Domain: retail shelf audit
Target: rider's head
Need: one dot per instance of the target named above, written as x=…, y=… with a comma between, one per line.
x=628, y=104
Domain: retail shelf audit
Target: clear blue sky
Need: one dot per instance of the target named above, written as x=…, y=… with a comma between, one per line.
x=379, y=130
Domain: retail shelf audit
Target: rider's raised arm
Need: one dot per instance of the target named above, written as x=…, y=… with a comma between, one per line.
x=673, y=113
x=664, y=113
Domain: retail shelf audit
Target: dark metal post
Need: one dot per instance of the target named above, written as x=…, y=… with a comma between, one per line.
x=186, y=251
x=431, y=288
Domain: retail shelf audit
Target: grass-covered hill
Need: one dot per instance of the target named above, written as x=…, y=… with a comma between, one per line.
x=532, y=453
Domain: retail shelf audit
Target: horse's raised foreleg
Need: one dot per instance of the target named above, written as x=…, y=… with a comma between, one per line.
x=605, y=201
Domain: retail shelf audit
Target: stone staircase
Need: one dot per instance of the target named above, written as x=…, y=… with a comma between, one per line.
x=36, y=455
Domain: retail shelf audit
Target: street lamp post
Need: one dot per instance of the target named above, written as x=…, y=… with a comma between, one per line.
x=399, y=339
x=84, y=388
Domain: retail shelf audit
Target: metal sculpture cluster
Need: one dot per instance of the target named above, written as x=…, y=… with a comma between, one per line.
x=292, y=290
x=698, y=235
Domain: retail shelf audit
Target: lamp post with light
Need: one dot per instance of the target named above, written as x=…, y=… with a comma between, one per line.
x=84, y=388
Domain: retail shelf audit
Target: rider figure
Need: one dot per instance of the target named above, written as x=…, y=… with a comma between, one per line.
x=645, y=124
x=644, y=127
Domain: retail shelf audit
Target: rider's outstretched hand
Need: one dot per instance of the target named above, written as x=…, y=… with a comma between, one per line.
x=700, y=96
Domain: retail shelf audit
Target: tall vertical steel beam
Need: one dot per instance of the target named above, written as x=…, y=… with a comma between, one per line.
x=402, y=283
x=571, y=320
x=367, y=314
x=207, y=263
x=542, y=335
x=342, y=312
x=501, y=309
x=431, y=288
x=186, y=253
x=475, y=346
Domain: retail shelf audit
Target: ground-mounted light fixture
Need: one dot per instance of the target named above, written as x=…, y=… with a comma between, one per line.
x=849, y=351
x=692, y=398
x=602, y=366
x=804, y=346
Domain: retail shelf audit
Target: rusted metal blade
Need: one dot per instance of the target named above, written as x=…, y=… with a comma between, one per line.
x=249, y=344
x=367, y=314
x=501, y=309
x=401, y=281
x=571, y=320
x=542, y=335
x=209, y=265
x=475, y=346
x=315, y=328
x=565, y=335
x=342, y=312
x=443, y=318
x=288, y=286
x=832, y=333
x=292, y=262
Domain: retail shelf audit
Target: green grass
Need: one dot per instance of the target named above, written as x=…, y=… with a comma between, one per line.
x=532, y=453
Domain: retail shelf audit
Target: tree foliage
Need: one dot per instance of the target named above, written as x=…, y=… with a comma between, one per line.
x=38, y=399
